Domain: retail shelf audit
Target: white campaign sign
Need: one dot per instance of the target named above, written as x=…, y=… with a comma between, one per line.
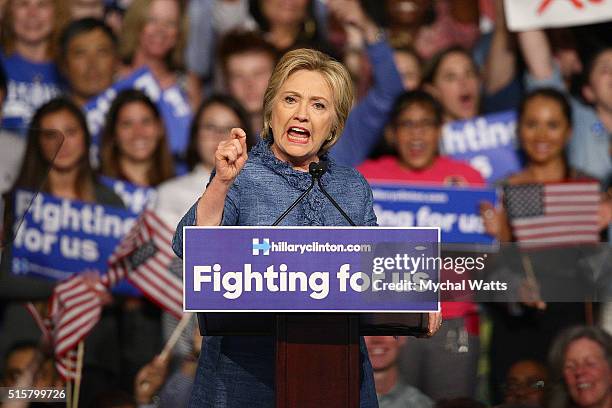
x=522, y=15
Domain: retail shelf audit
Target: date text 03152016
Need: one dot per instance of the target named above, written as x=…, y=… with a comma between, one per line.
x=32, y=394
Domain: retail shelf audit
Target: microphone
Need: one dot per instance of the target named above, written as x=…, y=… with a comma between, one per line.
x=316, y=170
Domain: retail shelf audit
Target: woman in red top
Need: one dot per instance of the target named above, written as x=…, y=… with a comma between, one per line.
x=416, y=126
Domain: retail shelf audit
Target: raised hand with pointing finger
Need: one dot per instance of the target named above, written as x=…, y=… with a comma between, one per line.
x=231, y=155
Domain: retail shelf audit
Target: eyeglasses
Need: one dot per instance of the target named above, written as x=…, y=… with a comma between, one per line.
x=423, y=124
x=530, y=387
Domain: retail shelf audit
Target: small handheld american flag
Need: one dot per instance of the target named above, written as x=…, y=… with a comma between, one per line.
x=144, y=257
x=555, y=214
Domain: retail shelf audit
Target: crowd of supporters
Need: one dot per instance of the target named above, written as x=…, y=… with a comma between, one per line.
x=123, y=102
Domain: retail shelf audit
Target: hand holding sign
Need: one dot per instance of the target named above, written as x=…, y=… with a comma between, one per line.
x=231, y=155
x=491, y=218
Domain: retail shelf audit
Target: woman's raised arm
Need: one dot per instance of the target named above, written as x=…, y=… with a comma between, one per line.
x=230, y=157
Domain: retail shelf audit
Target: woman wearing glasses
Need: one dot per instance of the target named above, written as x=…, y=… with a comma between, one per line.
x=415, y=129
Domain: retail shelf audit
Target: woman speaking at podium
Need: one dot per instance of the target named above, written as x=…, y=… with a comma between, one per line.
x=307, y=102
x=308, y=99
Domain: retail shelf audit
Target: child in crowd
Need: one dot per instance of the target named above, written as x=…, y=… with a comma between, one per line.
x=525, y=384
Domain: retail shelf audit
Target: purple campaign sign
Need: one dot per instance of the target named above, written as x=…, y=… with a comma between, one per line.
x=488, y=143
x=315, y=269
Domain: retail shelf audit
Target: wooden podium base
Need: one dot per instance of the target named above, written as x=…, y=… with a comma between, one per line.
x=317, y=361
x=317, y=355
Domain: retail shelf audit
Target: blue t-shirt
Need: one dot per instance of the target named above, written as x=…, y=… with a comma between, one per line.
x=30, y=84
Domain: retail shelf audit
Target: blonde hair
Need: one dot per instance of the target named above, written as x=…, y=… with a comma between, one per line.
x=7, y=35
x=335, y=74
x=133, y=23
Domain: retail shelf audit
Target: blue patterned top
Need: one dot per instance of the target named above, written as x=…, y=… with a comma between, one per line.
x=267, y=186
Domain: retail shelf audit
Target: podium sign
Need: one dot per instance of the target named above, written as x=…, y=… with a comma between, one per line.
x=310, y=269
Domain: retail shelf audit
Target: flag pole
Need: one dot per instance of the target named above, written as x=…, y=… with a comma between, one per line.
x=77, y=378
x=532, y=281
x=178, y=330
x=68, y=393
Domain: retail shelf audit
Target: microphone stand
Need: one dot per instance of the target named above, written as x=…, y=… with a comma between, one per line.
x=345, y=215
x=314, y=174
x=316, y=170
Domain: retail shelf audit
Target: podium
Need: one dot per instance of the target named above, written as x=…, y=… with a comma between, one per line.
x=315, y=305
x=320, y=350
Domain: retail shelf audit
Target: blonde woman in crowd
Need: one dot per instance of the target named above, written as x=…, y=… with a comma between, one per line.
x=154, y=34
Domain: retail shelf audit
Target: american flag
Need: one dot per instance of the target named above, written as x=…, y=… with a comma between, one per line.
x=555, y=214
x=67, y=363
x=144, y=257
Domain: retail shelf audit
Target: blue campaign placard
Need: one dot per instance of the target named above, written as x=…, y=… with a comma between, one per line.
x=172, y=103
x=60, y=237
x=454, y=209
x=488, y=143
x=134, y=197
x=97, y=108
x=316, y=269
